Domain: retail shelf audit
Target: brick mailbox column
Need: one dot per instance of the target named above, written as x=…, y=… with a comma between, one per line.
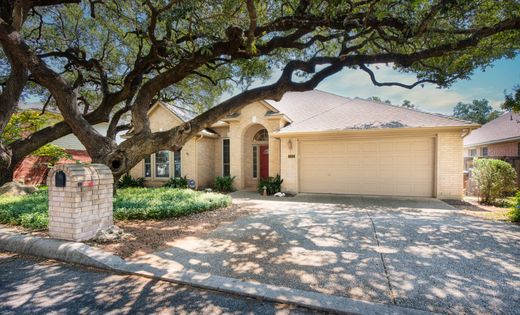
x=80, y=200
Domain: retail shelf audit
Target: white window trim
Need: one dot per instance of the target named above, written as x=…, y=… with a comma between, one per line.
x=171, y=167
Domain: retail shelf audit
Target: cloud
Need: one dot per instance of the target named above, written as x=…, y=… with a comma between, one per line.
x=356, y=83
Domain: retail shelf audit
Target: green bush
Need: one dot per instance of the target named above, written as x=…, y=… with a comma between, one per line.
x=514, y=214
x=224, y=183
x=127, y=181
x=177, y=182
x=130, y=203
x=272, y=185
x=160, y=203
x=494, y=179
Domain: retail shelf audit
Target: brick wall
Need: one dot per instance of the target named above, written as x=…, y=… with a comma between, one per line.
x=33, y=170
x=496, y=149
x=449, y=165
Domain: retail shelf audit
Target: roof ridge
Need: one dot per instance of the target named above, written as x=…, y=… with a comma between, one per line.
x=417, y=110
x=323, y=112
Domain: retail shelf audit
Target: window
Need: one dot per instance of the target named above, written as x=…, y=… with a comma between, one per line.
x=518, y=153
x=177, y=163
x=226, y=171
x=261, y=136
x=484, y=151
x=255, y=161
x=148, y=166
x=472, y=152
x=162, y=164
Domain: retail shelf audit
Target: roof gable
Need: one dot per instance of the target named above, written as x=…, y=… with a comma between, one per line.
x=180, y=113
x=316, y=111
x=504, y=128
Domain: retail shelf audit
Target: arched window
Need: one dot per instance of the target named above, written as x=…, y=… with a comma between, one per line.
x=261, y=136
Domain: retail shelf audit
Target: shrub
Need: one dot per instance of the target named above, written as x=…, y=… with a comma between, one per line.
x=494, y=179
x=272, y=185
x=224, y=183
x=514, y=214
x=127, y=181
x=30, y=211
x=160, y=203
x=177, y=182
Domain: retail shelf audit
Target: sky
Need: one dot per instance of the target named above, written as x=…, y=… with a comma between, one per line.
x=489, y=84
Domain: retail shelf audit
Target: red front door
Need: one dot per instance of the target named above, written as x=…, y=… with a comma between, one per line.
x=264, y=161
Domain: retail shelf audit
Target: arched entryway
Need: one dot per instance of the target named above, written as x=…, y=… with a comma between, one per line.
x=256, y=155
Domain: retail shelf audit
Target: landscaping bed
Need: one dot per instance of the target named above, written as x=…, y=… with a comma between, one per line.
x=153, y=217
x=30, y=211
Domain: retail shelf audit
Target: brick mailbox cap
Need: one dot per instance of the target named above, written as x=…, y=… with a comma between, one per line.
x=81, y=174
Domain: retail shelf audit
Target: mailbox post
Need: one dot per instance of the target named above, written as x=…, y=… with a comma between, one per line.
x=80, y=200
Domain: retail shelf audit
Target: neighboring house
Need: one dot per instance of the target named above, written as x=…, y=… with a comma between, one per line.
x=33, y=169
x=319, y=143
x=498, y=139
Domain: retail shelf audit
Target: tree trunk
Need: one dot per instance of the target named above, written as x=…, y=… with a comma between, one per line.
x=6, y=174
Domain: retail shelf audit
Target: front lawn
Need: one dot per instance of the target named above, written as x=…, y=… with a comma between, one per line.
x=130, y=203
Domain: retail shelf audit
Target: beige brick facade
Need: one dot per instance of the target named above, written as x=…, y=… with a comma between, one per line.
x=202, y=156
x=83, y=206
x=450, y=165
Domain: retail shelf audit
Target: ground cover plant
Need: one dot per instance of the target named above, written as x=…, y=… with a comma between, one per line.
x=130, y=203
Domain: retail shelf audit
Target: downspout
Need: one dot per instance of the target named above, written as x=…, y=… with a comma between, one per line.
x=465, y=132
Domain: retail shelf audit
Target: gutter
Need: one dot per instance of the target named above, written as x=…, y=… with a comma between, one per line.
x=373, y=130
x=492, y=142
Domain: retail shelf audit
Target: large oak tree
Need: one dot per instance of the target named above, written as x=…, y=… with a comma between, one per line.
x=100, y=60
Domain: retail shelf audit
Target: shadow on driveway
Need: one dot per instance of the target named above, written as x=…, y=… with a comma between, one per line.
x=417, y=253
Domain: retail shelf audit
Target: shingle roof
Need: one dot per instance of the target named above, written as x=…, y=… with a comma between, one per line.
x=505, y=127
x=315, y=111
x=299, y=106
x=183, y=113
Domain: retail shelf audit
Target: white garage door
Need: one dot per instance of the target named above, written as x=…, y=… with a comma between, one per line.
x=393, y=167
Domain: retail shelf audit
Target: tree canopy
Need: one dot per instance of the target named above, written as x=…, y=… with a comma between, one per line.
x=478, y=111
x=512, y=100
x=99, y=61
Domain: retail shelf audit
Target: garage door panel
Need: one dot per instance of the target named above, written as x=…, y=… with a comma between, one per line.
x=392, y=166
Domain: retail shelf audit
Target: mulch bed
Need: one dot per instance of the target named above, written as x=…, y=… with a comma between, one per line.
x=154, y=235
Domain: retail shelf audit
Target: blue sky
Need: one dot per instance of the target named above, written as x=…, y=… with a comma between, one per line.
x=489, y=84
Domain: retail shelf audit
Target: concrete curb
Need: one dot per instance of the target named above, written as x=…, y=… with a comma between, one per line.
x=72, y=252
x=80, y=253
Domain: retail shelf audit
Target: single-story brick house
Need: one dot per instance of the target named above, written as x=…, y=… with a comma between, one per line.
x=498, y=138
x=319, y=143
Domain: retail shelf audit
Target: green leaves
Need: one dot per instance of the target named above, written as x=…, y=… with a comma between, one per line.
x=494, y=179
x=478, y=111
x=24, y=123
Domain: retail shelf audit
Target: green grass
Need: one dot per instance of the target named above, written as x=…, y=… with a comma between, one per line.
x=130, y=204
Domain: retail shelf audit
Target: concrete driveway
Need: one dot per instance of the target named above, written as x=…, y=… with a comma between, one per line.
x=417, y=253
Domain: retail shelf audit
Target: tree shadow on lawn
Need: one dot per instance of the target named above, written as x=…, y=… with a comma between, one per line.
x=435, y=260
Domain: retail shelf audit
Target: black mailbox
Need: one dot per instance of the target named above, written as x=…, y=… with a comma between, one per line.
x=60, y=180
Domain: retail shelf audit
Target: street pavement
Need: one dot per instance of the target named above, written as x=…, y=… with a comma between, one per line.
x=37, y=286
